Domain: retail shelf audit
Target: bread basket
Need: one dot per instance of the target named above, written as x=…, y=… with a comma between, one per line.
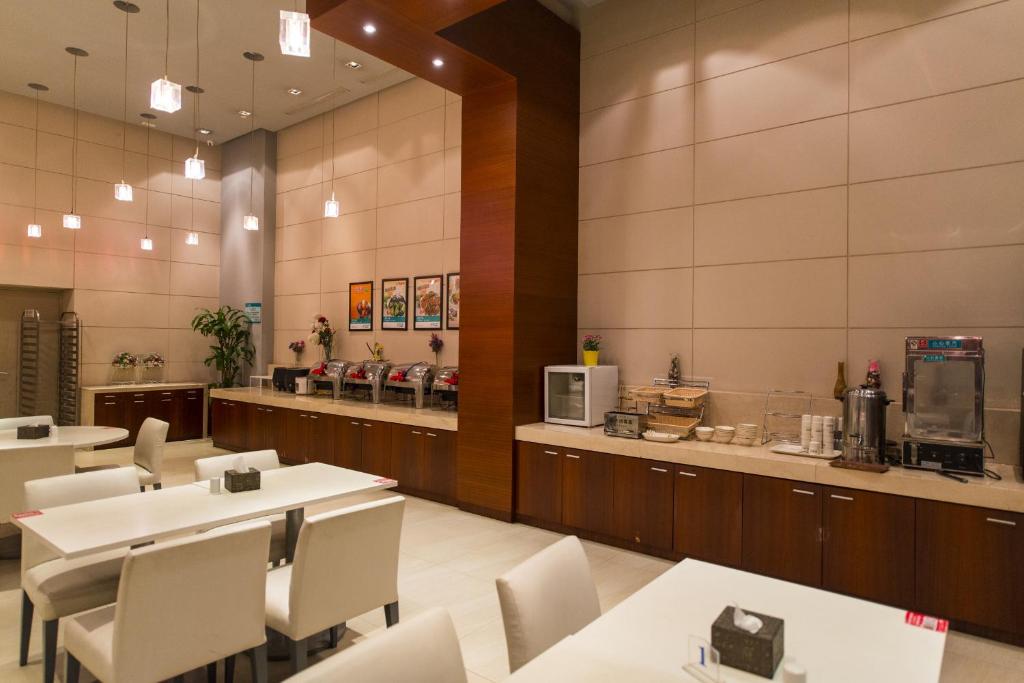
x=685, y=397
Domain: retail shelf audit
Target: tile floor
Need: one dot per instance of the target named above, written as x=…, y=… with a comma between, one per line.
x=451, y=558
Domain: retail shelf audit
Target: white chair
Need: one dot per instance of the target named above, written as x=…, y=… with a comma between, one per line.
x=208, y=468
x=346, y=564
x=15, y=422
x=181, y=605
x=148, y=454
x=423, y=649
x=546, y=598
x=57, y=587
x=19, y=465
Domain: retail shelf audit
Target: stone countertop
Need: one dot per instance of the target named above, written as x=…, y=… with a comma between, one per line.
x=1007, y=494
x=385, y=412
x=144, y=386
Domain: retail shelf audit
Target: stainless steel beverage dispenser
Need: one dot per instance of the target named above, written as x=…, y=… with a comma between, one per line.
x=864, y=424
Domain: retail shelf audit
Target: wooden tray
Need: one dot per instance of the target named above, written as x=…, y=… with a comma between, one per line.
x=682, y=430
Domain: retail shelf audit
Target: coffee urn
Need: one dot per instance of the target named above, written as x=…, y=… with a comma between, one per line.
x=864, y=424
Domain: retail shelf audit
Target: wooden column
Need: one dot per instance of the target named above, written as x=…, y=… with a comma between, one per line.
x=516, y=66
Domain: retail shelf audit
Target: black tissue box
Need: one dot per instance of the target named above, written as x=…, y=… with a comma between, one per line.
x=33, y=431
x=236, y=482
x=759, y=653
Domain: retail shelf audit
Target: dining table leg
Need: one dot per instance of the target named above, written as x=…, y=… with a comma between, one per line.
x=292, y=524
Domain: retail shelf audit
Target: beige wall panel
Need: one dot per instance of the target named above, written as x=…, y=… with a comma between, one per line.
x=413, y=179
x=647, y=124
x=299, y=241
x=868, y=17
x=121, y=274
x=642, y=241
x=356, y=117
x=610, y=25
x=354, y=154
x=661, y=180
x=192, y=279
x=299, y=170
x=411, y=222
x=121, y=309
x=34, y=267
x=643, y=298
x=414, y=136
x=101, y=344
x=301, y=137
x=181, y=309
x=301, y=276
x=643, y=355
x=408, y=99
x=350, y=232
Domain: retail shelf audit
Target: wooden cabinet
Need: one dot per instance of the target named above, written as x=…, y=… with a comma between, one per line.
x=539, y=482
x=230, y=424
x=423, y=461
x=587, y=490
x=309, y=437
x=969, y=566
x=348, y=443
x=642, y=502
x=137, y=407
x=188, y=420
x=268, y=430
x=182, y=409
x=868, y=545
x=782, y=529
x=375, y=453
x=708, y=514
x=108, y=410
x=439, y=452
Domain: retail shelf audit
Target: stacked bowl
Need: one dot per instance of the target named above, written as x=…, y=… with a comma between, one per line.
x=724, y=434
x=746, y=434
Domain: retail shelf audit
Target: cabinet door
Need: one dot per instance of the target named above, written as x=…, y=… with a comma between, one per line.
x=162, y=407
x=376, y=452
x=348, y=443
x=109, y=411
x=642, y=501
x=782, y=529
x=191, y=413
x=318, y=439
x=539, y=482
x=220, y=427
x=969, y=564
x=298, y=436
x=708, y=514
x=274, y=431
x=137, y=410
x=868, y=546
x=408, y=457
x=587, y=491
x=439, y=454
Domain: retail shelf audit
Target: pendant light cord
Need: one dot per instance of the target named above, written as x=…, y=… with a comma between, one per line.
x=74, y=142
x=334, y=92
x=195, y=124
x=252, y=138
x=35, y=165
x=124, y=106
x=167, y=38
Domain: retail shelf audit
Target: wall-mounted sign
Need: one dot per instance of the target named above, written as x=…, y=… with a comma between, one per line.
x=394, y=304
x=254, y=311
x=454, y=297
x=429, y=302
x=360, y=306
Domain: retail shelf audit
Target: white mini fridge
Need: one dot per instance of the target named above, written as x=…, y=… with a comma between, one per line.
x=580, y=395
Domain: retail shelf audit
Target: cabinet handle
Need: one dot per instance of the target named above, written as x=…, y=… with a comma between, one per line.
x=1004, y=522
x=659, y=469
x=138, y=401
x=431, y=434
x=268, y=410
x=314, y=417
x=838, y=497
x=165, y=393
x=803, y=492
x=686, y=474
x=111, y=403
x=550, y=453
x=570, y=455
x=416, y=433
x=192, y=398
x=355, y=423
x=367, y=425
x=166, y=400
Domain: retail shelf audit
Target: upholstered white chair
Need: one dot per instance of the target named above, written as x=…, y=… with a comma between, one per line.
x=15, y=422
x=546, y=598
x=56, y=587
x=208, y=468
x=19, y=465
x=346, y=563
x=423, y=649
x=149, y=452
x=181, y=605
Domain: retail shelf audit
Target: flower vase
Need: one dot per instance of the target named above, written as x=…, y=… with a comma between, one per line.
x=327, y=352
x=298, y=358
x=122, y=375
x=590, y=358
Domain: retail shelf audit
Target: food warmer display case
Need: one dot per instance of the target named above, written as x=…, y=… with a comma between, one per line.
x=331, y=379
x=444, y=392
x=365, y=381
x=410, y=382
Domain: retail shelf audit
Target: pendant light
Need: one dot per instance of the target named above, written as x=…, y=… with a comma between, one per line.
x=71, y=220
x=332, y=208
x=35, y=230
x=165, y=95
x=294, y=32
x=250, y=221
x=122, y=190
x=195, y=168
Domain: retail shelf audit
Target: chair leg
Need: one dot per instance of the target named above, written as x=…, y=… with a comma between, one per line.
x=49, y=650
x=156, y=486
x=142, y=489
x=211, y=672
x=27, y=609
x=259, y=662
x=73, y=670
x=229, y=669
x=391, y=613
x=298, y=651
x=332, y=637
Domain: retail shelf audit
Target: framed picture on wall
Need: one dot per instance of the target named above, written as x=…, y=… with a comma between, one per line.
x=429, y=302
x=360, y=306
x=394, y=304
x=452, y=302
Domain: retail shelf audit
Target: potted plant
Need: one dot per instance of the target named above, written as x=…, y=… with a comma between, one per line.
x=436, y=344
x=591, y=348
x=322, y=334
x=152, y=367
x=231, y=328
x=297, y=347
x=124, y=365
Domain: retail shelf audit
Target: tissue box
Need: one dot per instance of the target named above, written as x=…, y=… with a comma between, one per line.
x=236, y=482
x=759, y=653
x=33, y=431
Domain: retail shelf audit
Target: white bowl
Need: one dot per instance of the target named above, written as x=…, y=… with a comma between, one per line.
x=704, y=433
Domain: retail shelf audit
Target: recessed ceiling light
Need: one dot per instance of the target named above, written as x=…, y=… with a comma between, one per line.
x=244, y=114
x=354, y=65
x=438, y=62
x=294, y=91
x=204, y=131
x=369, y=29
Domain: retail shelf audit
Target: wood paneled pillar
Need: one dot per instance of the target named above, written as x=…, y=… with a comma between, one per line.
x=516, y=66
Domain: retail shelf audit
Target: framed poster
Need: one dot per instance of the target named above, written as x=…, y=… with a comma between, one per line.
x=394, y=304
x=360, y=306
x=429, y=302
x=452, y=302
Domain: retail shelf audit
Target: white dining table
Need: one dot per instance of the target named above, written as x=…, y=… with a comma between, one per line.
x=835, y=638
x=78, y=437
x=95, y=526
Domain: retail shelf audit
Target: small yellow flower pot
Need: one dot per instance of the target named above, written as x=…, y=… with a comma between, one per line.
x=590, y=358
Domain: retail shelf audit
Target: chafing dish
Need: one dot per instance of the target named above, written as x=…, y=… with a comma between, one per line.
x=332, y=378
x=444, y=392
x=410, y=380
x=366, y=380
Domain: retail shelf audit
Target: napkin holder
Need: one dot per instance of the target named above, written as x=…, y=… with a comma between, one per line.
x=33, y=431
x=758, y=653
x=236, y=482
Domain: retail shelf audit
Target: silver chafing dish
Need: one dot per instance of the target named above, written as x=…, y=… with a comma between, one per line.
x=332, y=378
x=444, y=392
x=366, y=380
x=410, y=380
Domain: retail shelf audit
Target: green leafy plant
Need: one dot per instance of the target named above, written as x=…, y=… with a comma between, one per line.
x=231, y=328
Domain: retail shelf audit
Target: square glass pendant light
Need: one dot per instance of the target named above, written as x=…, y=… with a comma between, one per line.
x=72, y=221
x=122, y=192
x=165, y=95
x=35, y=230
x=195, y=168
x=332, y=207
x=294, y=34
x=192, y=239
x=146, y=244
x=250, y=222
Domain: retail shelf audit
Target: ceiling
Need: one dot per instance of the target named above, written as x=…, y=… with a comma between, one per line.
x=33, y=36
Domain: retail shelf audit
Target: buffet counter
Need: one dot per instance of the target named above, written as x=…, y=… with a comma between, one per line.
x=1007, y=494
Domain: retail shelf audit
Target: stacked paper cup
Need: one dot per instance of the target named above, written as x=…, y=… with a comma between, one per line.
x=816, y=435
x=828, y=429
x=805, y=432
